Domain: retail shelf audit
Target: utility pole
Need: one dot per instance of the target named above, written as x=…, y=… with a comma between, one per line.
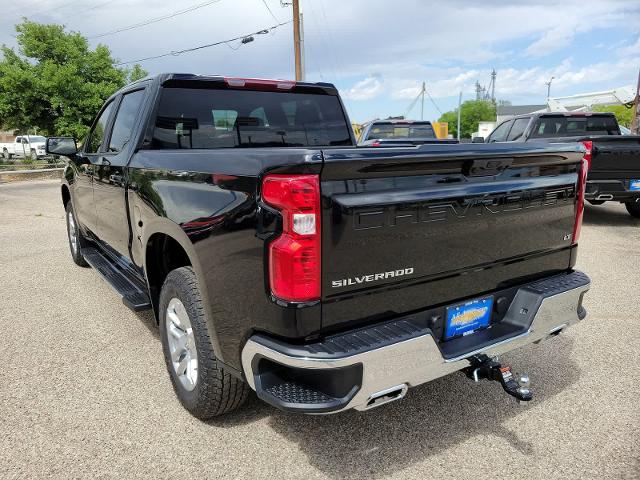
x=493, y=85
x=459, y=113
x=635, y=113
x=297, y=41
x=548, y=84
x=424, y=89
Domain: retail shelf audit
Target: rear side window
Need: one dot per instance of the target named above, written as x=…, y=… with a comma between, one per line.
x=575, y=126
x=125, y=120
x=519, y=126
x=190, y=118
x=401, y=130
x=500, y=133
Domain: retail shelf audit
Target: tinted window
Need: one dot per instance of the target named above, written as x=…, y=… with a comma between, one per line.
x=125, y=120
x=210, y=118
x=97, y=134
x=500, y=133
x=574, y=126
x=400, y=130
x=519, y=126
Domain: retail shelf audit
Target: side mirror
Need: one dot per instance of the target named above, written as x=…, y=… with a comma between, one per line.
x=477, y=140
x=65, y=146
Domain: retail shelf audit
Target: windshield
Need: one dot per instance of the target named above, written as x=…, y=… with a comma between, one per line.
x=401, y=130
x=575, y=126
x=211, y=118
x=35, y=138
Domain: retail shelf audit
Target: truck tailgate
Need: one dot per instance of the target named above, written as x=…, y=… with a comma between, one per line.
x=618, y=155
x=405, y=229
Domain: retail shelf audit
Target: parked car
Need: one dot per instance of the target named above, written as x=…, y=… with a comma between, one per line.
x=614, y=159
x=399, y=132
x=278, y=257
x=24, y=146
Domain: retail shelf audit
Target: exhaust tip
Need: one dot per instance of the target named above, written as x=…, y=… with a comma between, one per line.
x=386, y=396
x=605, y=196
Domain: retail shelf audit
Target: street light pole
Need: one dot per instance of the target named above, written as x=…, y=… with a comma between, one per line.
x=548, y=84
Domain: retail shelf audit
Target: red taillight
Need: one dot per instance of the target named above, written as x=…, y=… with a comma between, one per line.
x=588, y=145
x=294, y=257
x=582, y=185
x=259, y=83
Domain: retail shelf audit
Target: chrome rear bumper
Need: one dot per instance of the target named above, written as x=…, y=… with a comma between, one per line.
x=381, y=362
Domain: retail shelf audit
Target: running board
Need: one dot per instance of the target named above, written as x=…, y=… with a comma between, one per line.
x=132, y=292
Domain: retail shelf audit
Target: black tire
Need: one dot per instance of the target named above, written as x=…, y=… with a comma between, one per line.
x=633, y=208
x=76, y=252
x=216, y=392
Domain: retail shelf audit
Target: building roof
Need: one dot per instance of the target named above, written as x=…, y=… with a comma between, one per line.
x=519, y=109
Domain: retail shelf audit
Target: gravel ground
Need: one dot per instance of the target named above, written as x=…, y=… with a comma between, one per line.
x=84, y=391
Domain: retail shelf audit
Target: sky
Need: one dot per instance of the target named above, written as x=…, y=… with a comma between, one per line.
x=377, y=53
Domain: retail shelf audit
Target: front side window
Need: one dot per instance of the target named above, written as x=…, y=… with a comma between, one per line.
x=500, y=133
x=125, y=120
x=207, y=118
x=96, y=137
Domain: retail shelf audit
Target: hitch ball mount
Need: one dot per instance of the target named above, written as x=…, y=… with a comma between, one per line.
x=491, y=369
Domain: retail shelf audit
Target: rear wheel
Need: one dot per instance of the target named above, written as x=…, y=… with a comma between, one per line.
x=203, y=386
x=76, y=240
x=633, y=208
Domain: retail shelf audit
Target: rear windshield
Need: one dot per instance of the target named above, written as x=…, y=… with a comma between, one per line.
x=401, y=130
x=575, y=126
x=209, y=118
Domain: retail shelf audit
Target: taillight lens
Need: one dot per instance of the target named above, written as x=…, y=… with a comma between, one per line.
x=582, y=185
x=588, y=145
x=294, y=257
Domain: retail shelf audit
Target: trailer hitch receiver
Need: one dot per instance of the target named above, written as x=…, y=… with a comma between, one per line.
x=491, y=369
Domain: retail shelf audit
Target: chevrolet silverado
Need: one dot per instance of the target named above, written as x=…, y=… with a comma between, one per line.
x=278, y=256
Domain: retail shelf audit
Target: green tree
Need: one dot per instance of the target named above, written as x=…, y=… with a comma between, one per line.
x=55, y=82
x=622, y=113
x=472, y=112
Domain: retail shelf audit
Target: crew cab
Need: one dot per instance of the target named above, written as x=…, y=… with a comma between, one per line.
x=614, y=159
x=399, y=132
x=278, y=256
x=24, y=146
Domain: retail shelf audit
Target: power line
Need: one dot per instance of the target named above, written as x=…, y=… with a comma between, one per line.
x=94, y=7
x=272, y=14
x=433, y=101
x=155, y=20
x=200, y=47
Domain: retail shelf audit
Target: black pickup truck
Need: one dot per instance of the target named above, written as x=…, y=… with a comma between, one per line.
x=279, y=257
x=614, y=159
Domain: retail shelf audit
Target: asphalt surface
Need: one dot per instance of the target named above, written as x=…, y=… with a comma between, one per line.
x=84, y=392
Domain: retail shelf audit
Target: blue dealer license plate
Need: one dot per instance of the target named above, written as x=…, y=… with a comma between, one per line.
x=466, y=318
x=634, y=185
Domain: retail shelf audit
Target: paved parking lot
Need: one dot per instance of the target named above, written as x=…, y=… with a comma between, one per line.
x=84, y=392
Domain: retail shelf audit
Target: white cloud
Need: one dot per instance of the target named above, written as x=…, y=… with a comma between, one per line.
x=551, y=41
x=365, y=89
x=633, y=49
